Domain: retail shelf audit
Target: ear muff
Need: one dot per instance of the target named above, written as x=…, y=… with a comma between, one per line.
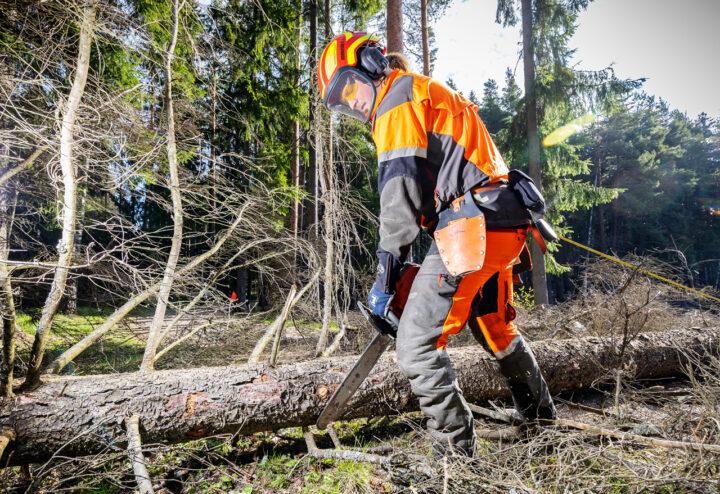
x=373, y=61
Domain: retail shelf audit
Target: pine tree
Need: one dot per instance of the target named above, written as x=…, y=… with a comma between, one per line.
x=562, y=94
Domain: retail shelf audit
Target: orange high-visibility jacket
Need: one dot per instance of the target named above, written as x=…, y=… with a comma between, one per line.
x=432, y=148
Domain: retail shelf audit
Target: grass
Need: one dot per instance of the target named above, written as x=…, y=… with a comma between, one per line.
x=118, y=351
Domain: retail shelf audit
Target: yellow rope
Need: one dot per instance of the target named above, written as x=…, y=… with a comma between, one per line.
x=638, y=269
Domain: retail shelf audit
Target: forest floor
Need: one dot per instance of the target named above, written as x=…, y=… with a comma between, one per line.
x=551, y=459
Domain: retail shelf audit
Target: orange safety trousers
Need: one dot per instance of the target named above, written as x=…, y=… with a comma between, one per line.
x=486, y=295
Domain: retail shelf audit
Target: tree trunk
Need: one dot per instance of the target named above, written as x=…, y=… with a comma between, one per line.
x=66, y=244
x=7, y=301
x=394, y=26
x=424, y=37
x=539, y=278
x=153, y=342
x=329, y=213
x=295, y=150
x=310, y=209
x=84, y=416
x=71, y=293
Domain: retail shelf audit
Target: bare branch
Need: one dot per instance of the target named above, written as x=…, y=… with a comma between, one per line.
x=142, y=477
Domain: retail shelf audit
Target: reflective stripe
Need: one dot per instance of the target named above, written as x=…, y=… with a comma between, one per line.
x=400, y=92
x=517, y=340
x=402, y=153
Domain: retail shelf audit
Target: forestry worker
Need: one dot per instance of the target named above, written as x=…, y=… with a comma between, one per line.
x=439, y=170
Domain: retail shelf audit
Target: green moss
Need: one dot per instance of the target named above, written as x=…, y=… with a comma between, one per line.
x=277, y=470
x=337, y=477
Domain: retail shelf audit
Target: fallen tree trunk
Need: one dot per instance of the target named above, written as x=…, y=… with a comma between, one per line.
x=74, y=416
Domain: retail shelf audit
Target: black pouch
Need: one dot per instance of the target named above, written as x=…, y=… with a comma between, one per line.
x=526, y=191
x=501, y=207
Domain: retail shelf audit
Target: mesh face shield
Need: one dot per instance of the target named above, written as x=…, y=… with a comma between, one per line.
x=353, y=93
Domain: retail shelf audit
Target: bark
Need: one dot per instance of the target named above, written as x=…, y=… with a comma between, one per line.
x=148, y=362
x=6, y=436
x=539, y=278
x=394, y=26
x=84, y=416
x=66, y=244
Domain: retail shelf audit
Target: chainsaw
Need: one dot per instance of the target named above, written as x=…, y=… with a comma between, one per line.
x=386, y=328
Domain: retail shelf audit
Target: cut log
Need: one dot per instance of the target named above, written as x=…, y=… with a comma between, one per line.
x=85, y=415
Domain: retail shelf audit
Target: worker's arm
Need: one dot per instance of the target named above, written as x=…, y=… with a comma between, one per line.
x=403, y=183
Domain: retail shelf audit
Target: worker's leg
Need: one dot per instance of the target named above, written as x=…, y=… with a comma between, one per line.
x=492, y=324
x=438, y=305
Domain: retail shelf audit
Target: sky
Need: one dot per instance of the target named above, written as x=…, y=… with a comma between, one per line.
x=675, y=44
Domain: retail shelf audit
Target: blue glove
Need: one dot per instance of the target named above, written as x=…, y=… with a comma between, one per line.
x=378, y=301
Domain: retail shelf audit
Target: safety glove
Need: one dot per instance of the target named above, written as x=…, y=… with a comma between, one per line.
x=381, y=293
x=379, y=301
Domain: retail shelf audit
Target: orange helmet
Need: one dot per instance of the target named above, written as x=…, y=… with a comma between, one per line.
x=347, y=69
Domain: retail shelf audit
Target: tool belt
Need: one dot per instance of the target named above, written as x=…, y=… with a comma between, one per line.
x=462, y=226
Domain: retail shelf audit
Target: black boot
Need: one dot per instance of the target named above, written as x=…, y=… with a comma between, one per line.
x=529, y=390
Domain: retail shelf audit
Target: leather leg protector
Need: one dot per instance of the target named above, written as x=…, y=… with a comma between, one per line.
x=527, y=385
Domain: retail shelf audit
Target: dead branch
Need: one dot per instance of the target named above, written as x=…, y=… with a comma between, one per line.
x=142, y=477
x=341, y=454
x=67, y=241
x=71, y=353
x=289, y=304
x=182, y=339
x=629, y=437
x=597, y=430
x=280, y=324
x=27, y=163
x=153, y=341
x=336, y=341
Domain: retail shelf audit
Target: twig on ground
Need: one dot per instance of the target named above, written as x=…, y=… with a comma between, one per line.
x=627, y=436
x=344, y=454
x=506, y=433
x=494, y=415
x=601, y=431
x=586, y=408
x=333, y=435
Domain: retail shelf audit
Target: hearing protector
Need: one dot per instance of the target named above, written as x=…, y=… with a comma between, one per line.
x=373, y=61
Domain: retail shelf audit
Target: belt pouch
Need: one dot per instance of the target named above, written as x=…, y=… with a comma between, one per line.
x=461, y=237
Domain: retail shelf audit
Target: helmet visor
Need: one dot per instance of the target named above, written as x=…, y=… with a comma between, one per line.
x=351, y=93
